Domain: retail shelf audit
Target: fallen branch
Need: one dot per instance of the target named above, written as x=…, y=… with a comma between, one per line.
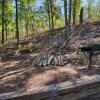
x=76, y=31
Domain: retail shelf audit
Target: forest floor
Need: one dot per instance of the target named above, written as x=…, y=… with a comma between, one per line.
x=22, y=74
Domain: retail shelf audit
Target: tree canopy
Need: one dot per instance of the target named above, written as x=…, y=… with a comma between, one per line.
x=35, y=16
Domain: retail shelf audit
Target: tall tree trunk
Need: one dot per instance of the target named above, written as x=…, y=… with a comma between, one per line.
x=52, y=21
x=48, y=7
x=69, y=22
x=3, y=4
x=26, y=27
x=6, y=29
x=81, y=15
x=65, y=12
x=74, y=13
x=89, y=8
x=17, y=29
x=27, y=21
x=6, y=22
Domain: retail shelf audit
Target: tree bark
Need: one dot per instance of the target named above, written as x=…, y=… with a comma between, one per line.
x=74, y=13
x=3, y=4
x=17, y=29
x=89, y=9
x=66, y=22
x=27, y=21
x=48, y=7
x=70, y=6
x=52, y=21
x=6, y=29
x=81, y=15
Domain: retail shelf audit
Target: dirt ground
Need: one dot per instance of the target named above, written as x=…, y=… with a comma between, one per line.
x=22, y=75
x=16, y=75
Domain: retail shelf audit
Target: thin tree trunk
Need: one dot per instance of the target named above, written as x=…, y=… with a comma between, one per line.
x=74, y=12
x=6, y=29
x=6, y=23
x=27, y=27
x=48, y=6
x=27, y=21
x=70, y=6
x=3, y=4
x=17, y=29
x=81, y=15
x=89, y=9
x=51, y=6
x=25, y=24
x=65, y=12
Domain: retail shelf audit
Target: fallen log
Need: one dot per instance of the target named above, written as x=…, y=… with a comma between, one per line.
x=59, y=62
x=5, y=57
x=76, y=31
x=50, y=57
x=47, y=59
x=56, y=61
x=62, y=61
x=37, y=60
